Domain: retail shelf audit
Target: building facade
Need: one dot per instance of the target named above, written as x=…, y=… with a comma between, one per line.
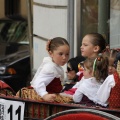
x=72, y=19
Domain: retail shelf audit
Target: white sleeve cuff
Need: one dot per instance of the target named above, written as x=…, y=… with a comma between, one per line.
x=43, y=93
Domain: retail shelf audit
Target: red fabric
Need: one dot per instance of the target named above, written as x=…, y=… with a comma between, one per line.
x=55, y=86
x=70, y=91
x=80, y=116
x=81, y=75
x=85, y=100
x=114, y=99
x=30, y=87
x=4, y=85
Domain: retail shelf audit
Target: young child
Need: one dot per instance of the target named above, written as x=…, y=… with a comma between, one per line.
x=47, y=82
x=92, y=45
x=72, y=72
x=50, y=74
x=95, y=72
x=109, y=94
x=111, y=54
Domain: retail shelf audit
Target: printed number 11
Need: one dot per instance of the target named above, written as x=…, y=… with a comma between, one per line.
x=18, y=111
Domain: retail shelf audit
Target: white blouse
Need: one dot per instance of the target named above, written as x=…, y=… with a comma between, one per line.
x=88, y=87
x=47, y=71
x=104, y=91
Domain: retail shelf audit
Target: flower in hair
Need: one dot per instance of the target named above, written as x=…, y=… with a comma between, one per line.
x=48, y=45
x=99, y=58
x=80, y=67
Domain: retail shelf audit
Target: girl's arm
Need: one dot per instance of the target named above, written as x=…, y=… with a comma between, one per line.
x=44, y=76
x=78, y=83
x=40, y=83
x=49, y=97
x=77, y=97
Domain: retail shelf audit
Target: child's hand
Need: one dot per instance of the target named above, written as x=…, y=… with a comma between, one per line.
x=49, y=97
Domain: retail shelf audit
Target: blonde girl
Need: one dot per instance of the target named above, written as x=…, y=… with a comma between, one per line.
x=95, y=72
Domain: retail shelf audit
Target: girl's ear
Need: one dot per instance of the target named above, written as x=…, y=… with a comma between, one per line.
x=96, y=48
x=50, y=53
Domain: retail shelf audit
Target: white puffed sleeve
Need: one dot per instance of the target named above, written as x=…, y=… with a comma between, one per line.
x=41, y=80
x=44, y=75
x=77, y=97
x=88, y=87
x=104, y=90
x=78, y=83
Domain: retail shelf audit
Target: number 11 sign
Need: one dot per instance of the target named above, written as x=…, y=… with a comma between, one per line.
x=11, y=110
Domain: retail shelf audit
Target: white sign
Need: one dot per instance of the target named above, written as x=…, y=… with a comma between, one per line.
x=11, y=110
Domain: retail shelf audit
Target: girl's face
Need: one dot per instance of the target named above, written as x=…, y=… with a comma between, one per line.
x=111, y=70
x=111, y=67
x=71, y=74
x=87, y=73
x=60, y=55
x=87, y=48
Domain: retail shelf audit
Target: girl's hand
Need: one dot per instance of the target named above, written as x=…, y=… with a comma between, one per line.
x=49, y=97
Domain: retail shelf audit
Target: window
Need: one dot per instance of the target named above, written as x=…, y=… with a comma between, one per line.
x=89, y=16
x=115, y=24
x=95, y=16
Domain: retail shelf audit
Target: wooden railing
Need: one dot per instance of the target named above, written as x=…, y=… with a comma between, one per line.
x=35, y=110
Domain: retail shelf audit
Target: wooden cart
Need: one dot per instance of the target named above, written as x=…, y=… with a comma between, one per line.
x=35, y=110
